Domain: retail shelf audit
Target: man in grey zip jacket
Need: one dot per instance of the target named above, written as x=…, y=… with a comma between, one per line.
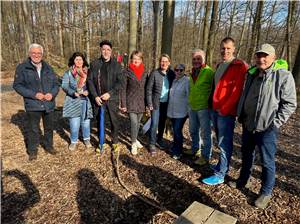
x=267, y=102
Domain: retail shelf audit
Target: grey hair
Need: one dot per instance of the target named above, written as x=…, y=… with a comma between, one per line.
x=34, y=45
x=199, y=51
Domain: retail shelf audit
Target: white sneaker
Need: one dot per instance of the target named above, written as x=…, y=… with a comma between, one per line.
x=134, y=149
x=139, y=145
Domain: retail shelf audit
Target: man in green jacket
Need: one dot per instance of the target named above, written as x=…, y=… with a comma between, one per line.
x=199, y=117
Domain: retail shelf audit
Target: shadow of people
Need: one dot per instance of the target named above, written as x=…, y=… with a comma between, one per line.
x=170, y=191
x=14, y=204
x=99, y=205
x=96, y=204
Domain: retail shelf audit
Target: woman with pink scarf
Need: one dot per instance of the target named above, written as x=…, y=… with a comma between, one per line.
x=77, y=106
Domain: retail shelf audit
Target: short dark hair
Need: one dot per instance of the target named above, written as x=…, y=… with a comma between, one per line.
x=105, y=42
x=78, y=54
x=228, y=39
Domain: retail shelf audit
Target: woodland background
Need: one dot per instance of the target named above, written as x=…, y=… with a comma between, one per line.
x=81, y=186
x=173, y=27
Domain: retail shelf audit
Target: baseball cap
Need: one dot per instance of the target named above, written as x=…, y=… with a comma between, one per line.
x=266, y=48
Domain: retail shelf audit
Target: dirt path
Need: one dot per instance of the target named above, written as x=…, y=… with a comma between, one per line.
x=81, y=187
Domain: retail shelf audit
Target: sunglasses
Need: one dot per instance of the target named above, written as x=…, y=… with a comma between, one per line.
x=178, y=70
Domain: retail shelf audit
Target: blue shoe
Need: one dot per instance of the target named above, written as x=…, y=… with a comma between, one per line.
x=213, y=180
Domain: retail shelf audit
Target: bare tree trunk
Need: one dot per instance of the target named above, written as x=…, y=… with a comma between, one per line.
x=140, y=26
x=155, y=5
x=167, y=29
x=233, y=13
x=60, y=29
x=296, y=68
x=196, y=12
x=243, y=30
x=132, y=27
x=270, y=23
x=86, y=31
x=74, y=26
x=118, y=22
x=206, y=26
x=289, y=24
x=26, y=24
x=212, y=33
x=255, y=30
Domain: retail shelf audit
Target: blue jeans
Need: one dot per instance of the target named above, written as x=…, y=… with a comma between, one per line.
x=224, y=127
x=75, y=123
x=266, y=143
x=200, y=130
x=177, y=124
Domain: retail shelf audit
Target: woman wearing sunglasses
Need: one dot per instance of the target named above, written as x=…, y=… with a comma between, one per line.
x=178, y=108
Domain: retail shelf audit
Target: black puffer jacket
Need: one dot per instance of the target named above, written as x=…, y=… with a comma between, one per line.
x=154, y=86
x=27, y=83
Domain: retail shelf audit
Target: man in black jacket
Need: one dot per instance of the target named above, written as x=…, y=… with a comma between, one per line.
x=37, y=83
x=104, y=83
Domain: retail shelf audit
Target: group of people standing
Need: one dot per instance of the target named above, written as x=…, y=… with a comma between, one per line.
x=262, y=97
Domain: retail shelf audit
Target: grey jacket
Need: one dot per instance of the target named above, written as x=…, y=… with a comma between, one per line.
x=277, y=97
x=178, y=98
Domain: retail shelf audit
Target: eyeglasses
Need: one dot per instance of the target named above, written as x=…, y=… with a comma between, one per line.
x=36, y=53
x=178, y=70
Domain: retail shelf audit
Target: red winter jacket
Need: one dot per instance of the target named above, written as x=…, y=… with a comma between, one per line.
x=229, y=88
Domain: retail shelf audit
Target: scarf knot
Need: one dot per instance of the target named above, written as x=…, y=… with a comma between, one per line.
x=137, y=70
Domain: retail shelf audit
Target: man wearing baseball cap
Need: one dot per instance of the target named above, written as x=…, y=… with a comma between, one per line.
x=267, y=101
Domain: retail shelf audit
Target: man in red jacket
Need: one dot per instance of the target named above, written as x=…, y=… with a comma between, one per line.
x=228, y=81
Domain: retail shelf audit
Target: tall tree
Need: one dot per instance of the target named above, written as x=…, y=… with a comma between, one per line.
x=289, y=24
x=256, y=27
x=296, y=68
x=140, y=26
x=26, y=24
x=206, y=25
x=60, y=29
x=231, y=18
x=155, y=5
x=167, y=28
x=132, y=27
x=212, y=33
x=86, y=30
x=243, y=30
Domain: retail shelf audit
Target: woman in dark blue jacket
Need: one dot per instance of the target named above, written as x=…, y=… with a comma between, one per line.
x=157, y=96
x=77, y=106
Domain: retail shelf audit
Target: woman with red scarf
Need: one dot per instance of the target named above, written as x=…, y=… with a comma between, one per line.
x=77, y=106
x=133, y=96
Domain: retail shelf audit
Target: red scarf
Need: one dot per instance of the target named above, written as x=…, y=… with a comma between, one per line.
x=80, y=75
x=137, y=70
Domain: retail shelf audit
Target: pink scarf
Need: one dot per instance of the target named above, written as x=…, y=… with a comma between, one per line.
x=80, y=75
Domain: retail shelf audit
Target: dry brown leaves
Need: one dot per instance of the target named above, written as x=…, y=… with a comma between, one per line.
x=81, y=187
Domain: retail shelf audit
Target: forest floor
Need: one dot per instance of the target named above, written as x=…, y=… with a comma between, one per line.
x=82, y=187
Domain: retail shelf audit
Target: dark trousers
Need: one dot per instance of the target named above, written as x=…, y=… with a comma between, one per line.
x=163, y=109
x=158, y=121
x=177, y=124
x=111, y=109
x=266, y=143
x=33, y=132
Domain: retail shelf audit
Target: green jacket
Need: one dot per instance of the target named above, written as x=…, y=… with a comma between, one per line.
x=201, y=89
